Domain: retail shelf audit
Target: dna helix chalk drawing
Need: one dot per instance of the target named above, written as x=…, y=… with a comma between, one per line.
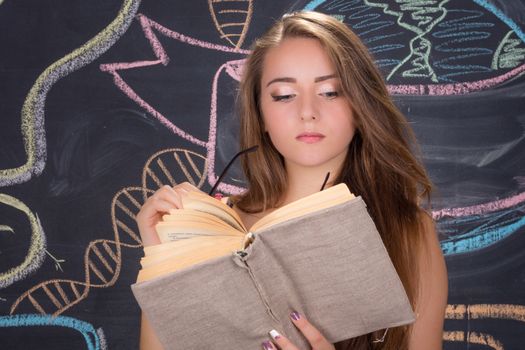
x=232, y=19
x=102, y=264
x=103, y=257
x=358, y=14
x=474, y=45
x=172, y=166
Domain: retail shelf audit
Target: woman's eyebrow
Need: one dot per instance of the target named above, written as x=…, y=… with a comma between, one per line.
x=293, y=80
x=325, y=77
x=282, y=80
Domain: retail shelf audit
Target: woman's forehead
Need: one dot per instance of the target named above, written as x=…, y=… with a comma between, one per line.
x=297, y=58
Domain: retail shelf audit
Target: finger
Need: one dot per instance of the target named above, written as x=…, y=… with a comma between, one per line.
x=149, y=216
x=314, y=337
x=159, y=206
x=283, y=342
x=187, y=186
x=167, y=194
x=183, y=189
x=267, y=345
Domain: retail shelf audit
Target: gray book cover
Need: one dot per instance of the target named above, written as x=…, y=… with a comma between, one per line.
x=330, y=265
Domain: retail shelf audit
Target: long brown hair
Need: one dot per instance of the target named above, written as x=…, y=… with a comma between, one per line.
x=380, y=166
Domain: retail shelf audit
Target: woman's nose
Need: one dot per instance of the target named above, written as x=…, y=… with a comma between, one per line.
x=308, y=109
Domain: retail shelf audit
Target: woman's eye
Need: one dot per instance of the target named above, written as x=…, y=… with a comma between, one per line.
x=278, y=98
x=331, y=94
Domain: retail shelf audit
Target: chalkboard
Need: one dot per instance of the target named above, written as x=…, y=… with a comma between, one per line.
x=102, y=102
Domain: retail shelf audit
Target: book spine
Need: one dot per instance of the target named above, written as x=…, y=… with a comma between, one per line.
x=240, y=257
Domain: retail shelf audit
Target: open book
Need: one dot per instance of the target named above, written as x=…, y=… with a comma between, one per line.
x=207, y=228
x=212, y=284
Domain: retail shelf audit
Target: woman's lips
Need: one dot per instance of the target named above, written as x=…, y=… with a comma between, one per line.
x=310, y=137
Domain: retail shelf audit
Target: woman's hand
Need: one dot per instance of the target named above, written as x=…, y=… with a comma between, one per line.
x=164, y=199
x=315, y=338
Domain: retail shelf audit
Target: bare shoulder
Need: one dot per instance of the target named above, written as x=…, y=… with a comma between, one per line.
x=431, y=257
x=433, y=284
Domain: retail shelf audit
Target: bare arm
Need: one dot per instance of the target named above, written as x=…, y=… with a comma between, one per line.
x=159, y=203
x=427, y=332
x=148, y=339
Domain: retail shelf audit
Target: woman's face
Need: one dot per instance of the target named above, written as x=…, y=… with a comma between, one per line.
x=308, y=119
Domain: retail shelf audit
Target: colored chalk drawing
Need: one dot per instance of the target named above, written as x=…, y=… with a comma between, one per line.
x=404, y=36
x=508, y=53
x=102, y=260
x=232, y=19
x=487, y=224
x=231, y=68
x=102, y=264
x=34, y=140
x=481, y=209
x=103, y=257
x=32, y=118
x=473, y=338
x=36, y=252
x=481, y=312
x=94, y=339
x=159, y=168
x=420, y=18
x=162, y=57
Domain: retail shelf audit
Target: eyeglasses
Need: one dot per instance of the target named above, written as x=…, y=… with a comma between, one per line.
x=248, y=150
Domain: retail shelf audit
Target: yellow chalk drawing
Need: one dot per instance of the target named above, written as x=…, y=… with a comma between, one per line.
x=102, y=262
x=187, y=165
x=35, y=253
x=6, y=228
x=478, y=312
x=56, y=260
x=232, y=19
x=32, y=124
x=418, y=17
x=473, y=338
x=508, y=54
x=103, y=257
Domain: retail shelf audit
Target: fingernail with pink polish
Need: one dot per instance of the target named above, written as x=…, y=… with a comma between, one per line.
x=295, y=315
x=267, y=345
x=274, y=334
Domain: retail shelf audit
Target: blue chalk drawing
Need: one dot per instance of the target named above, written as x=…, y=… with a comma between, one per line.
x=480, y=231
x=89, y=333
x=435, y=42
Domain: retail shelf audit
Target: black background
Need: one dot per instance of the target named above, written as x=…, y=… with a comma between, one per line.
x=98, y=141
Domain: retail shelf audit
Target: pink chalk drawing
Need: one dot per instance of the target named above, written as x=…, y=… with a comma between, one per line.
x=480, y=209
x=232, y=68
x=457, y=88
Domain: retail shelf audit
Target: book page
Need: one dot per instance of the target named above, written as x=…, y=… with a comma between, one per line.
x=184, y=228
x=214, y=241
x=186, y=253
x=320, y=200
x=204, y=203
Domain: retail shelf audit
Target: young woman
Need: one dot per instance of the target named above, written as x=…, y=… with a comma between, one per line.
x=314, y=102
